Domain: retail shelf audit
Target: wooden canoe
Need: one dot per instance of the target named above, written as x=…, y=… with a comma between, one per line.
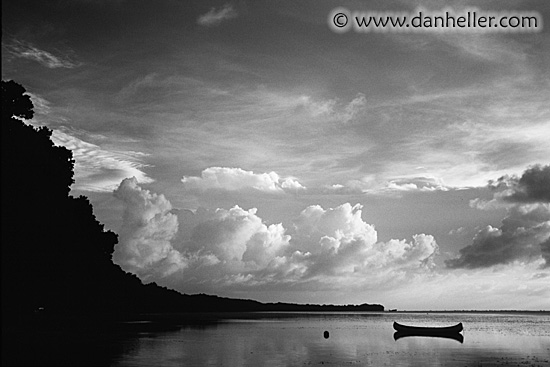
x=422, y=330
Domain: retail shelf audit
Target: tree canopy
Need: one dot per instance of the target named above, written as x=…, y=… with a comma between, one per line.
x=54, y=251
x=15, y=103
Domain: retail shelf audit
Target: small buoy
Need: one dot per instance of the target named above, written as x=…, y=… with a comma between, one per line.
x=325, y=334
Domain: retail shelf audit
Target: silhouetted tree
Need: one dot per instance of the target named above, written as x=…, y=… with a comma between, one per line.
x=15, y=103
x=55, y=254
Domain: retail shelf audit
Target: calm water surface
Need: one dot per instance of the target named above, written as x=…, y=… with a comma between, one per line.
x=362, y=339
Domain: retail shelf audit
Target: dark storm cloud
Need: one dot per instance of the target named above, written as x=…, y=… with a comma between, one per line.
x=523, y=235
x=532, y=187
x=525, y=231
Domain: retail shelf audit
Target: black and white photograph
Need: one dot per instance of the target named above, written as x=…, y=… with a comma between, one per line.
x=275, y=183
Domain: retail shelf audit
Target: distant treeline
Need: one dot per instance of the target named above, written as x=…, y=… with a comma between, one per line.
x=480, y=311
x=56, y=256
x=321, y=308
x=203, y=302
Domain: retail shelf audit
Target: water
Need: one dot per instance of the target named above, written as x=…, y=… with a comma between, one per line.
x=355, y=339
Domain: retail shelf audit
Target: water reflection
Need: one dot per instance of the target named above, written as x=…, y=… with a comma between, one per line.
x=288, y=339
x=273, y=340
x=455, y=336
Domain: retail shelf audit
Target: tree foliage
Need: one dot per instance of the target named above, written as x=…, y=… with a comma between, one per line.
x=15, y=103
x=55, y=254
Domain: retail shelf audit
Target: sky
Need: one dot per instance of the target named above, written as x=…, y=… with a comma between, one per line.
x=246, y=149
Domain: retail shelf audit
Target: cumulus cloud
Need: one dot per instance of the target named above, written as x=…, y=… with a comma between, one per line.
x=28, y=51
x=235, y=249
x=339, y=244
x=236, y=238
x=392, y=187
x=525, y=231
x=415, y=184
x=237, y=179
x=216, y=16
x=144, y=246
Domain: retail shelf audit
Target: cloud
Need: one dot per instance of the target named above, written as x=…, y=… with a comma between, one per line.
x=393, y=187
x=486, y=47
x=97, y=169
x=235, y=239
x=144, y=246
x=29, y=51
x=532, y=187
x=525, y=231
x=415, y=184
x=488, y=139
x=520, y=237
x=333, y=250
x=225, y=178
x=333, y=109
x=222, y=249
x=513, y=286
x=457, y=231
x=41, y=106
x=352, y=109
x=217, y=16
x=337, y=244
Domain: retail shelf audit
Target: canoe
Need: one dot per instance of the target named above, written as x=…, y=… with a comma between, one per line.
x=422, y=330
